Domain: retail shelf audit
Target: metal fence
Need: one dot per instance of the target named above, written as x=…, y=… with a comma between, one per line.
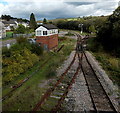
x=23, y=35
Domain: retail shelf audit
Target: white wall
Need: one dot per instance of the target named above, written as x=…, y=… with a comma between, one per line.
x=49, y=32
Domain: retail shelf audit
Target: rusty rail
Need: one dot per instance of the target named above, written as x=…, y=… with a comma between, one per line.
x=49, y=91
x=60, y=101
x=60, y=48
x=22, y=82
x=105, y=93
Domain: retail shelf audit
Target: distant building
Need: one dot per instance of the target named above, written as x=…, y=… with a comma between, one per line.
x=119, y=3
x=47, y=36
x=9, y=24
x=2, y=30
x=25, y=24
x=13, y=23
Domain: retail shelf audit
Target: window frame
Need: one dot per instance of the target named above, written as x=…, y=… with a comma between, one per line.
x=39, y=33
x=45, y=32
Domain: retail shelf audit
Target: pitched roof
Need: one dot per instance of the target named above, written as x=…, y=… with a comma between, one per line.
x=49, y=26
x=9, y=22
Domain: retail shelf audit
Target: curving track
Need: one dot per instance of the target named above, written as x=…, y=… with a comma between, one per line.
x=99, y=98
x=52, y=100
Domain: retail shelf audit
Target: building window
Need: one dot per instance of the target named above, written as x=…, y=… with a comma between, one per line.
x=39, y=33
x=44, y=32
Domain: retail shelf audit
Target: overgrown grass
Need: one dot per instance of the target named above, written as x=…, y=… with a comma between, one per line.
x=110, y=63
x=25, y=97
x=69, y=34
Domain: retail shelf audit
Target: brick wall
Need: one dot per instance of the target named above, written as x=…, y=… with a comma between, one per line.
x=50, y=41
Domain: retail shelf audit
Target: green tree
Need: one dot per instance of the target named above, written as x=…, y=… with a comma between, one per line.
x=33, y=24
x=108, y=33
x=92, y=29
x=20, y=29
x=44, y=21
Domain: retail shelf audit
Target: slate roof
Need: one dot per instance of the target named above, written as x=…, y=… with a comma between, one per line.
x=49, y=26
x=9, y=22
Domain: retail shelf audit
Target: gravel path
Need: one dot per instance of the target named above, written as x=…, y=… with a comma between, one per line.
x=110, y=88
x=78, y=97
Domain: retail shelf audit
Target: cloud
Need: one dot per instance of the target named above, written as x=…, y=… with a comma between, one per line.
x=80, y=3
x=54, y=8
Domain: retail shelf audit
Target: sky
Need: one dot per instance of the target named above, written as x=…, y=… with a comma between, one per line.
x=52, y=9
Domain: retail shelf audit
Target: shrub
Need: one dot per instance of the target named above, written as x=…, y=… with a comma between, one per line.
x=36, y=49
x=5, y=52
x=20, y=29
x=51, y=73
x=21, y=40
x=16, y=64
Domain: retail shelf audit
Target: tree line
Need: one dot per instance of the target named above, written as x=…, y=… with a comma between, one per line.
x=90, y=24
x=108, y=34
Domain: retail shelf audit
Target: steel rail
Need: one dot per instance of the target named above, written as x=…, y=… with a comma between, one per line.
x=60, y=101
x=94, y=105
x=49, y=91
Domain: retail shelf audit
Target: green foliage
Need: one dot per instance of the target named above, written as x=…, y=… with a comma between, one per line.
x=51, y=73
x=16, y=64
x=111, y=65
x=108, y=34
x=21, y=40
x=9, y=34
x=92, y=29
x=72, y=24
x=20, y=29
x=6, y=17
x=44, y=21
x=20, y=57
x=38, y=50
x=5, y=52
x=93, y=45
x=33, y=24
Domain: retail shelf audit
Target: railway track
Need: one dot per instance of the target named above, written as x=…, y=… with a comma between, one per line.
x=99, y=98
x=14, y=87
x=60, y=89
x=52, y=100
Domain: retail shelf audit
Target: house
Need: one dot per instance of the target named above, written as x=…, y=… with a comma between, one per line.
x=47, y=36
x=25, y=24
x=10, y=24
x=13, y=23
x=2, y=30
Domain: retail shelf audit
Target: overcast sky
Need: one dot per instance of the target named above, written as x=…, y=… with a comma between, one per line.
x=52, y=9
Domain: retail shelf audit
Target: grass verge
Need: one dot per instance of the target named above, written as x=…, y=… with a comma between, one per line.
x=26, y=96
x=110, y=64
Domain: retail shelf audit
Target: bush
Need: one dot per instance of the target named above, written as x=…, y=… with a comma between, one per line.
x=20, y=29
x=5, y=52
x=38, y=50
x=16, y=64
x=21, y=40
x=51, y=73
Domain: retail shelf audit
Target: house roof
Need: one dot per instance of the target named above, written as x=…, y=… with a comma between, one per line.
x=1, y=25
x=9, y=22
x=49, y=26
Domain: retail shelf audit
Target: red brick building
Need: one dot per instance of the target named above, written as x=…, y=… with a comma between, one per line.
x=47, y=36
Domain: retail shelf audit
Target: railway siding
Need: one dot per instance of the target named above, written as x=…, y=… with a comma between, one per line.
x=108, y=85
